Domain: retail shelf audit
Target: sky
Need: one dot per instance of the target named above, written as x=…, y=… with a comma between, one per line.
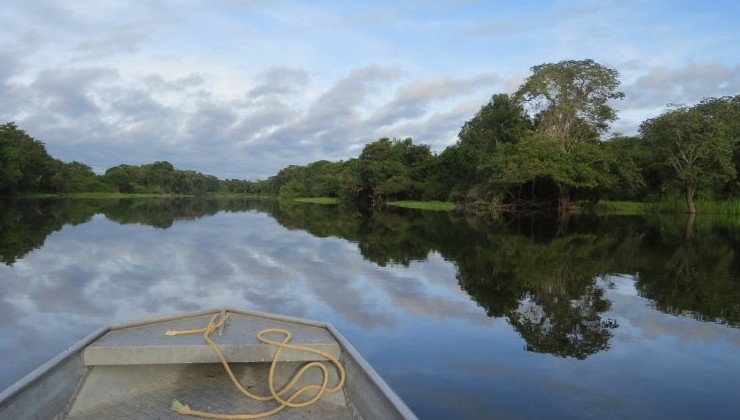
x=243, y=88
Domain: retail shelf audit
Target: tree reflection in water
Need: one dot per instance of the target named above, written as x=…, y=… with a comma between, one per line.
x=547, y=279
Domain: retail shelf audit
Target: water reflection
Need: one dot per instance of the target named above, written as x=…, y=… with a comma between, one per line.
x=542, y=276
x=694, y=272
x=457, y=298
x=538, y=274
x=102, y=271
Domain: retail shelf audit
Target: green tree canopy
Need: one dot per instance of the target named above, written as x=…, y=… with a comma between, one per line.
x=501, y=121
x=695, y=144
x=626, y=158
x=25, y=166
x=569, y=101
x=727, y=110
x=392, y=169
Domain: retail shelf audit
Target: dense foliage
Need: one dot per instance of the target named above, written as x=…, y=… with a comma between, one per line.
x=542, y=147
x=25, y=166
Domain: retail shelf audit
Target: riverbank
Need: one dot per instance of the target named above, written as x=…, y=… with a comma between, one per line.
x=666, y=206
x=318, y=200
x=118, y=195
x=419, y=205
x=424, y=205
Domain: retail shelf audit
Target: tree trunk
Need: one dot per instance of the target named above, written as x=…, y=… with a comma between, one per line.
x=564, y=199
x=690, y=193
x=563, y=223
x=689, y=233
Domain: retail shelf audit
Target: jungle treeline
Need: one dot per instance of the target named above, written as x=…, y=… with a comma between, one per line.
x=544, y=146
x=26, y=167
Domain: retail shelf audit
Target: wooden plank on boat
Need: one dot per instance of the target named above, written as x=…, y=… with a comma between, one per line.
x=148, y=344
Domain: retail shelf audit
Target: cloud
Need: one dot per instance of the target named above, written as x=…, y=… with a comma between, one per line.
x=279, y=81
x=132, y=106
x=155, y=82
x=686, y=84
x=414, y=100
x=337, y=124
x=126, y=40
x=439, y=129
x=333, y=122
x=653, y=88
x=68, y=92
x=38, y=14
x=210, y=123
x=348, y=94
x=12, y=98
x=9, y=65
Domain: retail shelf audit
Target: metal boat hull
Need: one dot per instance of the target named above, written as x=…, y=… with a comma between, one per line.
x=131, y=371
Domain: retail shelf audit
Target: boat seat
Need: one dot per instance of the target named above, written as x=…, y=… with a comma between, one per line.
x=148, y=344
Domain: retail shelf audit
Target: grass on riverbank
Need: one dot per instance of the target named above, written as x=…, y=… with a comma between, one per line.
x=117, y=195
x=420, y=205
x=318, y=200
x=101, y=195
x=620, y=207
x=114, y=195
x=676, y=205
x=670, y=205
x=424, y=205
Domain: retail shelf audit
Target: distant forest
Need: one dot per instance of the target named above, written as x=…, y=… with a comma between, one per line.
x=543, y=146
x=26, y=167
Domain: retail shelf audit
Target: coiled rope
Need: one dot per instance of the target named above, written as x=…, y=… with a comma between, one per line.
x=275, y=394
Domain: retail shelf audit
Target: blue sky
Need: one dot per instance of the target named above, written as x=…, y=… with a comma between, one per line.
x=241, y=89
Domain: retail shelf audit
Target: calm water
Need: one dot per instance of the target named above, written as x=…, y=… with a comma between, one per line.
x=621, y=317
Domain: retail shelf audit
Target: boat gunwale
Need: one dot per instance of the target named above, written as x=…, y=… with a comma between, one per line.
x=374, y=377
x=50, y=365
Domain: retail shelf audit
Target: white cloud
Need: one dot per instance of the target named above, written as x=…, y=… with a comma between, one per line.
x=412, y=101
x=280, y=81
x=685, y=84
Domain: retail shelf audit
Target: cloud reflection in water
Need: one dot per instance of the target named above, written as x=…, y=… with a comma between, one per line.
x=101, y=272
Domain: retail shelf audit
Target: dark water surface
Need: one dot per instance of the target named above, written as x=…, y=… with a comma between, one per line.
x=620, y=317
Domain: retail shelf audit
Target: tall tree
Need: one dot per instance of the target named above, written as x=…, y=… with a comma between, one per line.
x=695, y=144
x=80, y=177
x=626, y=162
x=25, y=166
x=122, y=177
x=502, y=121
x=392, y=169
x=727, y=110
x=570, y=104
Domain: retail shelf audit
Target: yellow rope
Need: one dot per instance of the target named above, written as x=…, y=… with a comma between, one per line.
x=276, y=395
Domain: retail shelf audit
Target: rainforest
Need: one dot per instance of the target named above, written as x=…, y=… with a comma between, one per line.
x=546, y=146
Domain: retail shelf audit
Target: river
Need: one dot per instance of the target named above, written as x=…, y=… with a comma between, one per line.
x=516, y=317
